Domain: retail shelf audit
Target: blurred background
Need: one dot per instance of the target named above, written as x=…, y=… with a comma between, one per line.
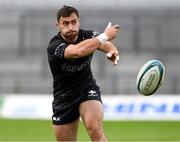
x=149, y=30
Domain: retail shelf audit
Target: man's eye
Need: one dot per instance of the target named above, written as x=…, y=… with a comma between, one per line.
x=65, y=23
x=74, y=22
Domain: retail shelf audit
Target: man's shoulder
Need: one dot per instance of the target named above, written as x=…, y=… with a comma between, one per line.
x=54, y=41
x=89, y=33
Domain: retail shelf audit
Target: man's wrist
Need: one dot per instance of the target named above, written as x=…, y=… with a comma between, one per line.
x=102, y=38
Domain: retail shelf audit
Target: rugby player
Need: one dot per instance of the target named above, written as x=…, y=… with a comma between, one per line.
x=76, y=93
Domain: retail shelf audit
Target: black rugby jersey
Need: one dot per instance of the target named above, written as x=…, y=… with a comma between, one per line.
x=69, y=75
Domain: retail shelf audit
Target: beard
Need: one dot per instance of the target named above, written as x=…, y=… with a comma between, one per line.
x=71, y=36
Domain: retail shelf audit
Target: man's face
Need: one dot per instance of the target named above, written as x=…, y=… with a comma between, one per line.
x=69, y=27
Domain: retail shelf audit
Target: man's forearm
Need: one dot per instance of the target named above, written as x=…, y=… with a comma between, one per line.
x=88, y=46
x=107, y=47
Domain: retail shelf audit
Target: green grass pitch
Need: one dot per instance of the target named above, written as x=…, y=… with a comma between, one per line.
x=41, y=130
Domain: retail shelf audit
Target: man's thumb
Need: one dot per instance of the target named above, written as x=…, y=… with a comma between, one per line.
x=109, y=25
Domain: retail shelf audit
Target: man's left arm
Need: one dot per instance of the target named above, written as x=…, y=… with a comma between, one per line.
x=111, y=51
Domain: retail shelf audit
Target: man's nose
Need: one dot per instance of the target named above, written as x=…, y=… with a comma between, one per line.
x=70, y=27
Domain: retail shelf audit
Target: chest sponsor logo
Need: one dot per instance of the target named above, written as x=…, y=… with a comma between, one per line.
x=74, y=68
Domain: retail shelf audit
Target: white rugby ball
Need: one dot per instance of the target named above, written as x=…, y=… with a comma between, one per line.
x=150, y=77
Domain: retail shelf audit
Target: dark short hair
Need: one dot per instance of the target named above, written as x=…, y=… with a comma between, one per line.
x=66, y=11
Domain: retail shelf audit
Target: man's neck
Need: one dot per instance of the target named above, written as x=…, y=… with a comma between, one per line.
x=70, y=40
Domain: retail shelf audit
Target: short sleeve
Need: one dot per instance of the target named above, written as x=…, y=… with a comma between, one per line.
x=57, y=49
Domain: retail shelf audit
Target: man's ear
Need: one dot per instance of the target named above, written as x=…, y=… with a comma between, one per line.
x=57, y=25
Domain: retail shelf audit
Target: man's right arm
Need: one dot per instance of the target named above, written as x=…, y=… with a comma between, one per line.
x=82, y=49
x=88, y=46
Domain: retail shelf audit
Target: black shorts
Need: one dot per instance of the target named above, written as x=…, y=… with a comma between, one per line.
x=66, y=110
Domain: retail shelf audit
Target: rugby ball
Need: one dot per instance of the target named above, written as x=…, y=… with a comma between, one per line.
x=150, y=77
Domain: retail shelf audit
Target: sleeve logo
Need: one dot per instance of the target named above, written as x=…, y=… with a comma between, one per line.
x=58, y=49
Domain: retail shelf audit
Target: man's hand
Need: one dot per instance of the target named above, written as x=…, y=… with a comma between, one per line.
x=109, y=34
x=111, y=31
x=107, y=46
x=113, y=56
